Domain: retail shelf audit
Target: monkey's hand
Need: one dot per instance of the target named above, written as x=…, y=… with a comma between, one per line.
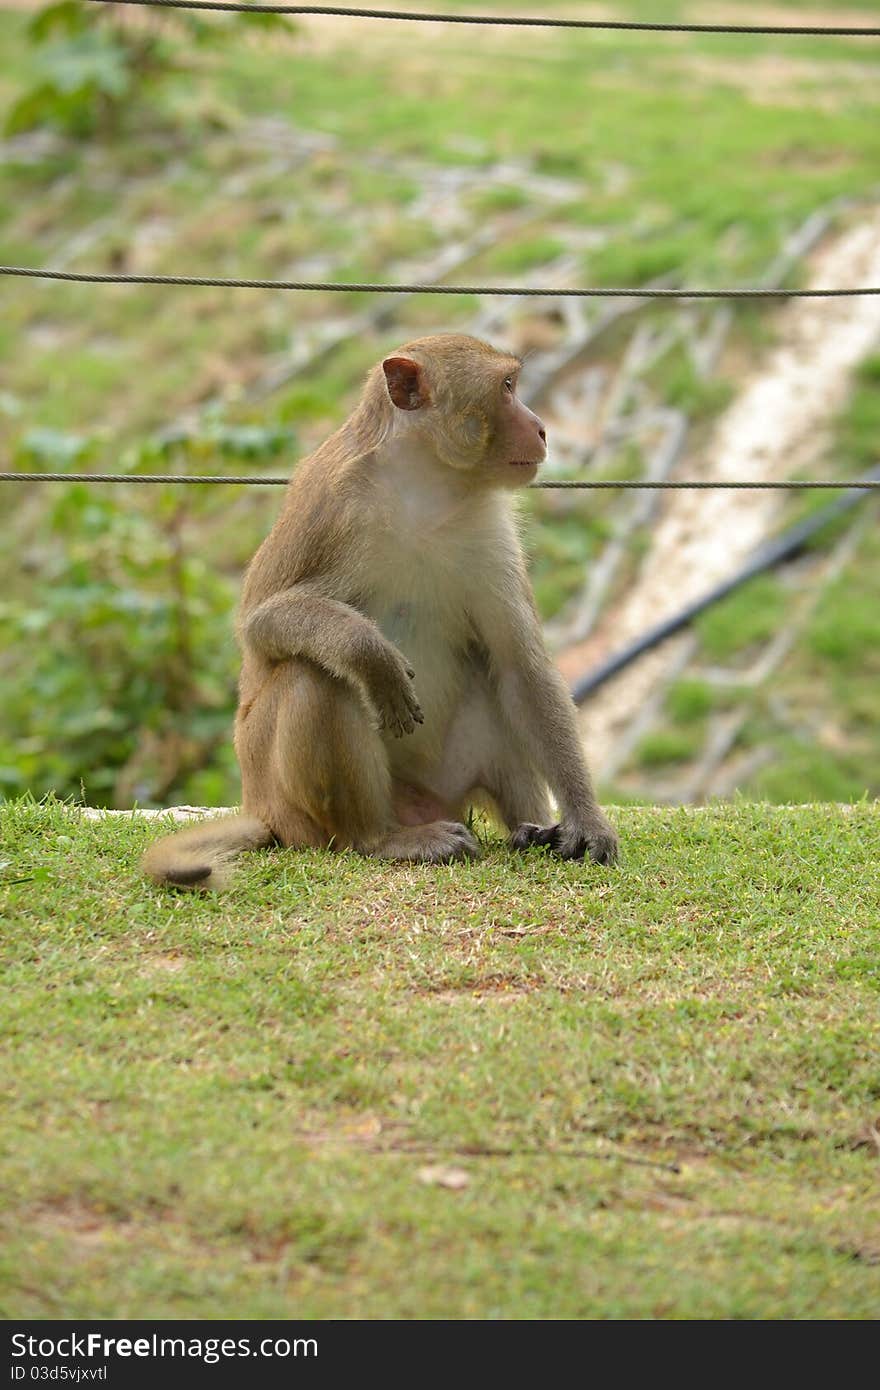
x=389, y=682
x=570, y=840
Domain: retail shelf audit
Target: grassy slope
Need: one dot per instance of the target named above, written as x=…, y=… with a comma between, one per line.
x=221, y=1107
x=713, y=210
x=113, y=365
x=819, y=713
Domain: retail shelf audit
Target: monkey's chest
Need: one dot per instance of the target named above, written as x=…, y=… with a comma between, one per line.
x=433, y=639
x=436, y=640
x=422, y=597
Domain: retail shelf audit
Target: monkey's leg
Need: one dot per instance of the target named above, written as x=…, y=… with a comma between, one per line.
x=521, y=797
x=316, y=771
x=484, y=758
x=519, y=793
x=483, y=761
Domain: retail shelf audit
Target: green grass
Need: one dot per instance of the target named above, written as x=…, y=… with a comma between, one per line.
x=560, y=548
x=822, y=717
x=221, y=1107
x=666, y=747
x=681, y=385
x=749, y=616
x=690, y=700
x=501, y=199
x=524, y=254
x=858, y=436
x=818, y=715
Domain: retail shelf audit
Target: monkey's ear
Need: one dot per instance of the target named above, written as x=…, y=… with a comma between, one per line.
x=406, y=383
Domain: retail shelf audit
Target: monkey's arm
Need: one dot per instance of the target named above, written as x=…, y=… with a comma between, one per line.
x=538, y=707
x=300, y=622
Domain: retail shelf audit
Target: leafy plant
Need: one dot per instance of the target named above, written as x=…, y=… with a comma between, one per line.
x=119, y=679
x=96, y=63
x=118, y=667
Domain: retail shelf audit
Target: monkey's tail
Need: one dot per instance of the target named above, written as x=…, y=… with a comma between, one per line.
x=198, y=857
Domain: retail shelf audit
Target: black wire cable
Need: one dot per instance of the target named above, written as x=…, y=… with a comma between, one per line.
x=510, y=21
x=613, y=484
x=330, y=287
x=774, y=552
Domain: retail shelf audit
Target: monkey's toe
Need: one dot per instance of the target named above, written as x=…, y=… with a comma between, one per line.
x=604, y=846
x=439, y=842
x=462, y=843
x=600, y=844
x=527, y=835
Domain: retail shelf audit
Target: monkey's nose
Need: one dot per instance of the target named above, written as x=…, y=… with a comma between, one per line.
x=542, y=434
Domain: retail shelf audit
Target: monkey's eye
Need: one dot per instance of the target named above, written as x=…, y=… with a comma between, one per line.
x=509, y=384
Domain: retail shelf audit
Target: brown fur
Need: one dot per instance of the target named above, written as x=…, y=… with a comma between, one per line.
x=399, y=529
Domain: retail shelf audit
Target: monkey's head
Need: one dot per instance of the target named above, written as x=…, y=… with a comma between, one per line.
x=457, y=396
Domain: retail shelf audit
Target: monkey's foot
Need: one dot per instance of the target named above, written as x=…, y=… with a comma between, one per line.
x=437, y=843
x=570, y=842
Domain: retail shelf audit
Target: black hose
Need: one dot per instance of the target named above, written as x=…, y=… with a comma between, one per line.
x=774, y=552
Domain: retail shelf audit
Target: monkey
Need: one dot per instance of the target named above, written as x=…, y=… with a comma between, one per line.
x=394, y=672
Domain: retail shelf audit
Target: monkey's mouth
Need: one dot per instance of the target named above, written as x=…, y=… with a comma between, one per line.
x=524, y=463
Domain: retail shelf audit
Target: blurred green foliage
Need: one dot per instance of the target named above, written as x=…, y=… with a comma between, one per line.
x=129, y=631
x=96, y=64
x=182, y=151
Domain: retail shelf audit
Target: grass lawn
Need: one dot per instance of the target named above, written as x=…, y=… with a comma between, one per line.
x=515, y=1089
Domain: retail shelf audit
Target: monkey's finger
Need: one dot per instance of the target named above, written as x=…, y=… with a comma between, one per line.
x=523, y=836
x=464, y=844
x=404, y=723
x=549, y=835
x=411, y=713
x=604, y=848
x=600, y=845
x=570, y=849
x=527, y=834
